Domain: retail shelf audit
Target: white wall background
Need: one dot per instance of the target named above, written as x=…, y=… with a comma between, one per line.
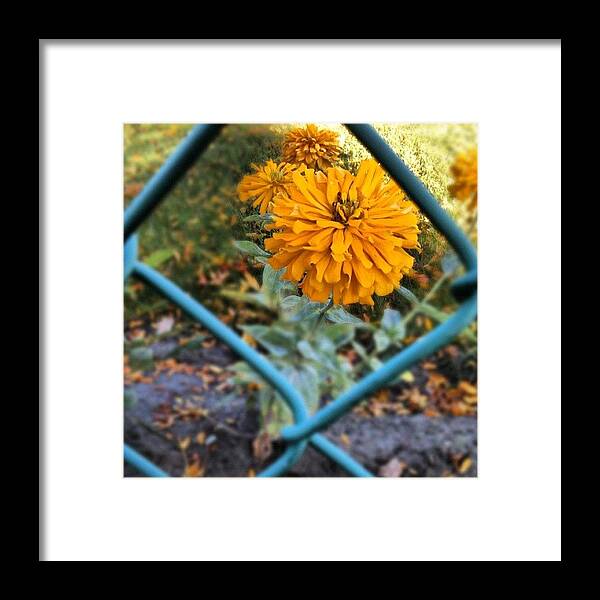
x=512, y=511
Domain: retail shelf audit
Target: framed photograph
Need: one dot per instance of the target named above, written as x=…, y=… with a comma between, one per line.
x=290, y=281
x=298, y=300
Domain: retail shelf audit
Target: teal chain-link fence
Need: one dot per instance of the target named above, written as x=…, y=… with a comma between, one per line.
x=306, y=428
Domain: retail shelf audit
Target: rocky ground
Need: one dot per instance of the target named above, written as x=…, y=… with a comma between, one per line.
x=184, y=415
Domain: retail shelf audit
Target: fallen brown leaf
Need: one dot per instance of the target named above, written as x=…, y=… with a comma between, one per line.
x=194, y=469
x=414, y=398
x=345, y=439
x=262, y=446
x=467, y=388
x=188, y=251
x=393, y=468
x=164, y=325
x=465, y=465
x=252, y=282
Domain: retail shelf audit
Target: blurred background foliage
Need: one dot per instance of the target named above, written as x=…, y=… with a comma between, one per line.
x=190, y=236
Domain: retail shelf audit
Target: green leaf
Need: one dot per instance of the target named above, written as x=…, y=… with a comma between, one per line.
x=392, y=319
x=250, y=248
x=407, y=377
x=341, y=378
x=440, y=317
x=323, y=356
x=131, y=292
x=325, y=345
x=141, y=359
x=371, y=361
x=274, y=411
x=274, y=339
x=266, y=218
x=393, y=325
x=406, y=293
x=336, y=314
x=382, y=341
x=433, y=312
x=244, y=374
x=375, y=363
x=255, y=298
x=309, y=313
x=307, y=351
x=340, y=333
x=290, y=306
x=271, y=280
x=360, y=350
x=305, y=379
x=130, y=398
x=287, y=287
x=450, y=262
x=293, y=303
x=274, y=288
x=195, y=342
x=158, y=257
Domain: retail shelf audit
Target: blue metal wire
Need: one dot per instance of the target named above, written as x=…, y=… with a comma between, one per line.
x=305, y=429
x=417, y=192
x=142, y=464
x=173, y=169
x=194, y=309
x=420, y=349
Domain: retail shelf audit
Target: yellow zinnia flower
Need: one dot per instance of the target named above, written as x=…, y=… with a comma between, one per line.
x=342, y=235
x=311, y=146
x=464, y=171
x=268, y=180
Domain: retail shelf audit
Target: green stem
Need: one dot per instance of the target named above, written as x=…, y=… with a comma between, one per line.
x=322, y=313
x=378, y=308
x=417, y=308
x=414, y=311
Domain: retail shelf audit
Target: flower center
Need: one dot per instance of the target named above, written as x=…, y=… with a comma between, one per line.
x=344, y=209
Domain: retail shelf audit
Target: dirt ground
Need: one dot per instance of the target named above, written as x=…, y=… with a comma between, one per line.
x=188, y=420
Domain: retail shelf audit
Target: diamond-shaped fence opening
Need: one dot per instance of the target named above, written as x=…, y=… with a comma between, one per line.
x=306, y=428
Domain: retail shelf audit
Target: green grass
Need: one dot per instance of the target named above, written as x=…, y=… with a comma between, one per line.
x=201, y=216
x=190, y=235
